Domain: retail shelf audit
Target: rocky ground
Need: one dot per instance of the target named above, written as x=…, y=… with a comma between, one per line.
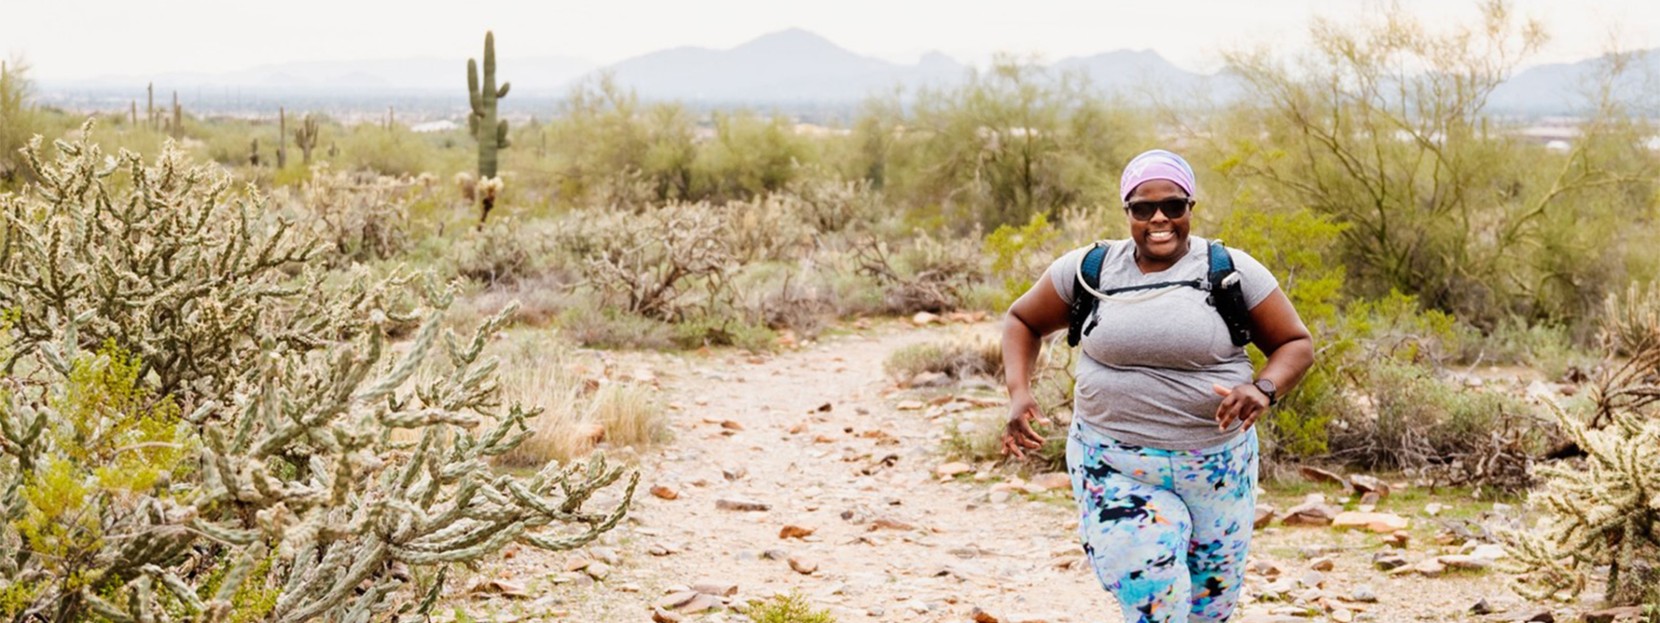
x=812, y=472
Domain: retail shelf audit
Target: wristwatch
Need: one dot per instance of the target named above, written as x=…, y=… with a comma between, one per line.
x=1267, y=388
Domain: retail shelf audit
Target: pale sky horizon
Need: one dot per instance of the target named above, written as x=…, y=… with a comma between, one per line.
x=78, y=39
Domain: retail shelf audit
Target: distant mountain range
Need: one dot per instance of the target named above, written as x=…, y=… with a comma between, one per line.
x=790, y=67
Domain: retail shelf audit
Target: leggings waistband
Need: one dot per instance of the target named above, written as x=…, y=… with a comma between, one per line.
x=1087, y=434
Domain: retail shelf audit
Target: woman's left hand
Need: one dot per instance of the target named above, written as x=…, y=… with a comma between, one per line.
x=1244, y=404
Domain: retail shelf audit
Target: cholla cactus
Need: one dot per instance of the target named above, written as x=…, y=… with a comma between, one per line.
x=467, y=184
x=270, y=486
x=1606, y=512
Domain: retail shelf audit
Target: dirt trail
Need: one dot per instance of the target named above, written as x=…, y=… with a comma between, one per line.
x=890, y=541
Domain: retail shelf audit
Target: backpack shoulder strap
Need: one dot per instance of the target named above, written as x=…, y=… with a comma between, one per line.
x=1227, y=295
x=1083, y=303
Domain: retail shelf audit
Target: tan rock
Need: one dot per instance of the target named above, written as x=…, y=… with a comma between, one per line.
x=1312, y=512
x=1430, y=568
x=577, y=564
x=715, y=587
x=923, y=319
x=659, y=615
x=792, y=531
x=731, y=425
x=1610, y=615
x=1465, y=562
x=981, y=616
x=702, y=602
x=1364, y=484
x=665, y=492
x=505, y=588
x=740, y=504
x=1323, y=564
x=598, y=570
x=676, y=599
x=953, y=468
x=909, y=405
x=1315, y=474
x=1382, y=523
x=1052, y=481
x=1265, y=516
x=803, y=566
x=889, y=523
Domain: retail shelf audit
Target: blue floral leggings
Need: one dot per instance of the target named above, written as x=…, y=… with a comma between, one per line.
x=1167, y=531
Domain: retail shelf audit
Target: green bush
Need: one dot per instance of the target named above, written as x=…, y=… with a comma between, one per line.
x=787, y=608
x=958, y=359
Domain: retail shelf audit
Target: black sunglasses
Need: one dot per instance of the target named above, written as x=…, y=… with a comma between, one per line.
x=1172, y=208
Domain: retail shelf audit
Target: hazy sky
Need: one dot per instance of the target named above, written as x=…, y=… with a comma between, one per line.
x=66, y=39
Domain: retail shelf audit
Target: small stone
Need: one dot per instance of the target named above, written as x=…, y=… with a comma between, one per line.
x=1312, y=579
x=665, y=492
x=1265, y=516
x=1342, y=615
x=598, y=570
x=1363, y=594
x=577, y=564
x=676, y=599
x=1382, y=523
x=930, y=379
x=1264, y=568
x=775, y=554
x=1398, y=539
x=1434, y=508
x=803, y=566
x=981, y=616
x=1465, y=563
x=1544, y=616
x=1312, y=512
x=1430, y=568
x=1053, y=481
x=952, y=469
x=1315, y=474
x=795, y=532
x=740, y=504
x=1388, y=561
x=923, y=319
x=998, y=497
x=1482, y=607
x=890, y=524
x=1367, y=484
x=716, y=588
x=659, y=615
x=731, y=425
x=734, y=473
x=1323, y=563
x=701, y=602
x=909, y=405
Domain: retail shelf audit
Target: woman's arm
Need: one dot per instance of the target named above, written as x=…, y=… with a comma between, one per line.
x=1279, y=332
x=1038, y=312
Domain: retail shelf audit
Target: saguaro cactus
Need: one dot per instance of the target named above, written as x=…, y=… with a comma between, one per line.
x=178, y=117
x=306, y=137
x=490, y=132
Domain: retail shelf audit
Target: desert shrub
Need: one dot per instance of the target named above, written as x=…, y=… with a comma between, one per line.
x=267, y=483
x=749, y=156
x=722, y=328
x=929, y=273
x=829, y=205
x=1010, y=142
x=613, y=151
x=359, y=216
x=1548, y=348
x=786, y=608
x=798, y=297
x=17, y=119
x=1417, y=419
x=603, y=327
x=958, y=359
x=504, y=252
x=1631, y=319
x=658, y=263
x=576, y=416
x=765, y=228
x=1019, y=255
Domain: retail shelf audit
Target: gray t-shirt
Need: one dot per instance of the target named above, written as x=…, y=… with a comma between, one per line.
x=1146, y=374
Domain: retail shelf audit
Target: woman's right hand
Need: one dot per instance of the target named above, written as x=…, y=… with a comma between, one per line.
x=1018, y=433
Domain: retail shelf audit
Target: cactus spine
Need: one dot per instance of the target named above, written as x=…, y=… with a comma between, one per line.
x=490, y=132
x=282, y=138
x=305, y=137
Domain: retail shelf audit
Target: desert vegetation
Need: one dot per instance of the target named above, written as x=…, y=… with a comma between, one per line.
x=242, y=385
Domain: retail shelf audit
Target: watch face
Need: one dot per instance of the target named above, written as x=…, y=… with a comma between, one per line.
x=1266, y=386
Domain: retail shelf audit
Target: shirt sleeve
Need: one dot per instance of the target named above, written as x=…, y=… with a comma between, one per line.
x=1064, y=272
x=1254, y=278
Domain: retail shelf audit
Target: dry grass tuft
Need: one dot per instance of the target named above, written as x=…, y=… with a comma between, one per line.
x=580, y=412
